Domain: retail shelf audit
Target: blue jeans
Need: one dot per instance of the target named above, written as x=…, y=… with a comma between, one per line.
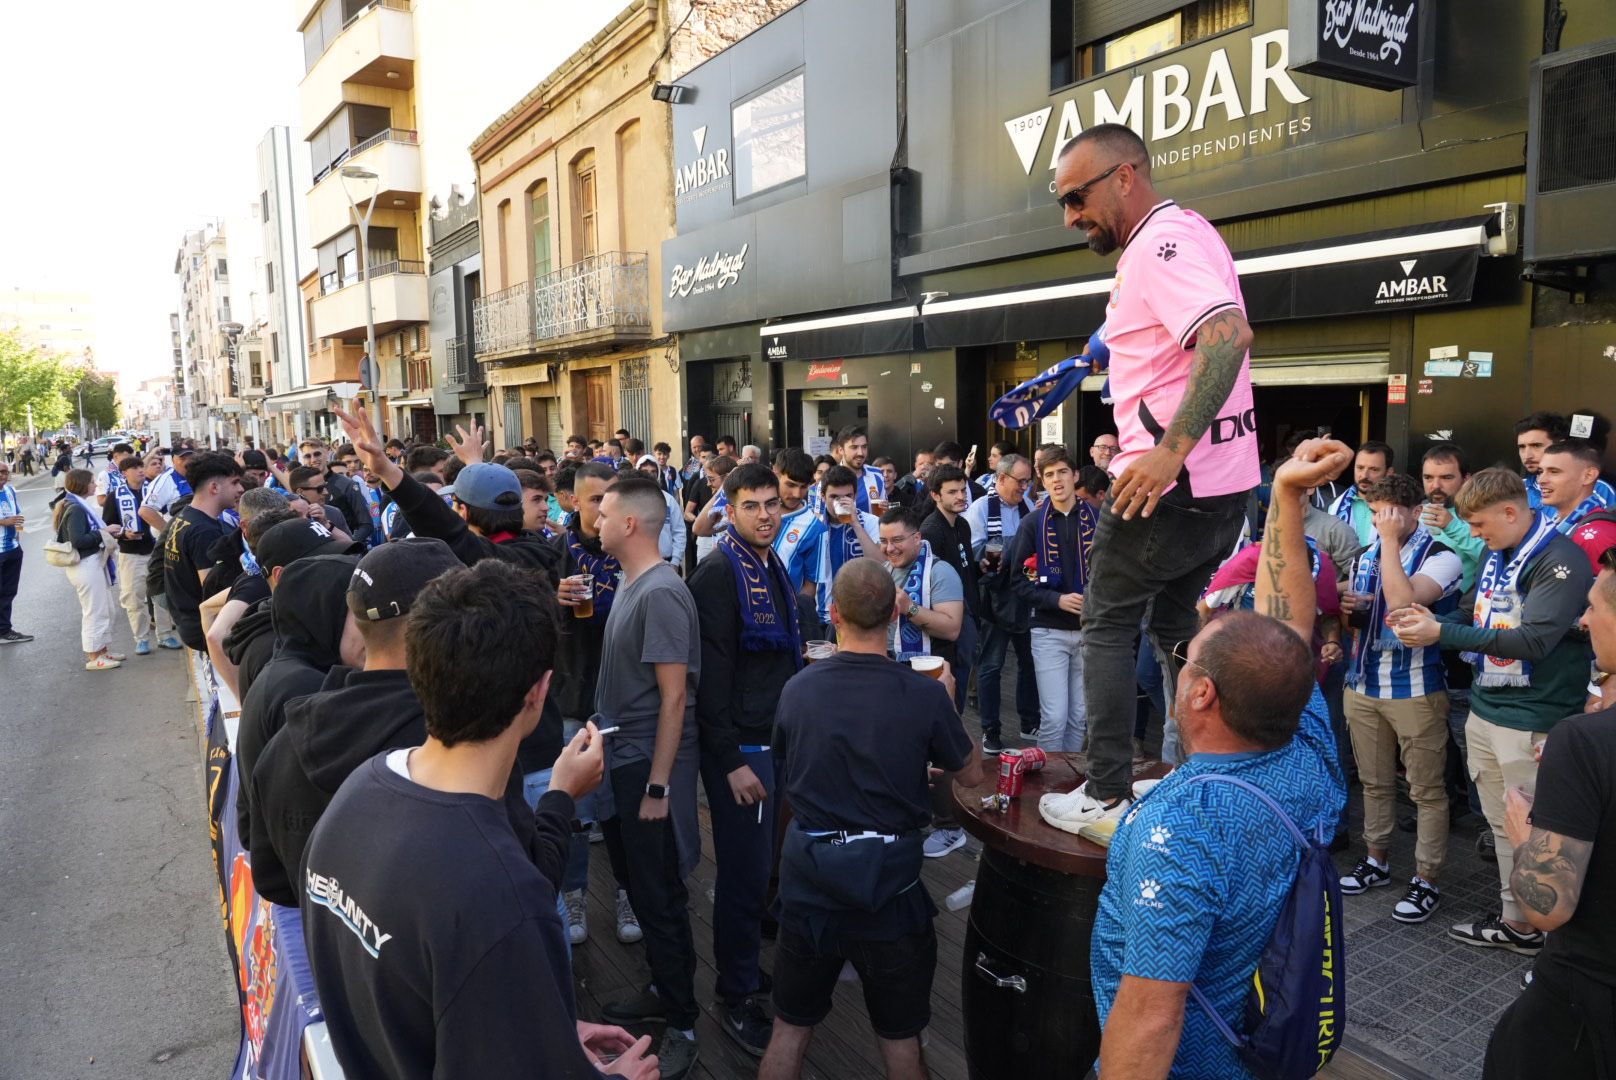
x=596, y=806
x=995, y=640
x=534, y=785
x=1058, y=663
x=743, y=849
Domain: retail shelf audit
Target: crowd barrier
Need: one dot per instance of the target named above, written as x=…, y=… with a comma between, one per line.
x=282, y=1034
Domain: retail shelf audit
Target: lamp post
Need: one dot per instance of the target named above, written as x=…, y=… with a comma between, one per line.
x=362, y=175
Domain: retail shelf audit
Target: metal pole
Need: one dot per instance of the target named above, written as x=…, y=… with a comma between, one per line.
x=370, y=312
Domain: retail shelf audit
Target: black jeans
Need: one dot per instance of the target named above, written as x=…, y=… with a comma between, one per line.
x=658, y=894
x=10, y=576
x=743, y=848
x=1561, y=1026
x=1162, y=563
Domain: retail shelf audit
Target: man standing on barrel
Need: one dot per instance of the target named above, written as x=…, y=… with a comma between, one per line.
x=1198, y=872
x=1178, y=336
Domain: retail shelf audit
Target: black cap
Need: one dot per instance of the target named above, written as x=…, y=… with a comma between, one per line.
x=254, y=459
x=387, y=580
x=292, y=540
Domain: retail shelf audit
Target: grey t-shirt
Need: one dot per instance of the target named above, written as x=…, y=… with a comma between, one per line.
x=652, y=621
x=946, y=586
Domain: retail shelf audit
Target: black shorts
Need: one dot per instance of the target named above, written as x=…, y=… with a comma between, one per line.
x=897, y=977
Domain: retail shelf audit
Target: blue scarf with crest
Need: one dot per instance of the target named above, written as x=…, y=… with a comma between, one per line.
x=764, y=627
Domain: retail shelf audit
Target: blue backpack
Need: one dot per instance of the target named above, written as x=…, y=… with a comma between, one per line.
x=1296, y=1010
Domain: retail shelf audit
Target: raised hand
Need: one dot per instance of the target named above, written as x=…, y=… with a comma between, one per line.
x=1314, y=462
x=469, y=446
x=365, y=439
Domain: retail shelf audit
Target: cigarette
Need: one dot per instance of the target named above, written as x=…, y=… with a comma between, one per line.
x=760, y=812
x=609, y=730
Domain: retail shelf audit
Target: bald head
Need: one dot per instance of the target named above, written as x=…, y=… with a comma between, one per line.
x=864, y=595
x=1114, y=141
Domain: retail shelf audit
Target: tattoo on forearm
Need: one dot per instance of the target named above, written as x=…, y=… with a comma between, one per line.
x=1218, y=354
x=1548, y=867
x=1275, y=603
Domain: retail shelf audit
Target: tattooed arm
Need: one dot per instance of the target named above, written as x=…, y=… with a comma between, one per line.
x=1285, y=588
x=1549, y=868
x=1220, y=347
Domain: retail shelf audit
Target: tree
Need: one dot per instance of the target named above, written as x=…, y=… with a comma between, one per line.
x=100, y=398
x=30, y=377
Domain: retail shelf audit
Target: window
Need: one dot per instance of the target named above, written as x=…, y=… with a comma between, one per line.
x=539, y=228
x=586, y=237
x=263, y=202
x=628, y=164
x=348, y=127
x=1086, y=41
x=324, y=26
x=269, y=276
x=770, y=138
x=507, y=266
x=221, y=269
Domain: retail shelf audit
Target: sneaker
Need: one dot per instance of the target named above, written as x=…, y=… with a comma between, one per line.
x=676, y=1055
x=118, y=656
x=1526, y=978
x=12, y=637
x=595, y=835
x=747, y=1024
x=644, y=1007
x=1486, y=846
x=1071, y=811
x=142, y=647
x=628, y=924
x=1493, y=932
x=943, y=841
x=1141, y=788
x=577, y=917
x=169, y=641
x=102, y=663
x=992, y=745
x=1418, y=903
x=1366, y=875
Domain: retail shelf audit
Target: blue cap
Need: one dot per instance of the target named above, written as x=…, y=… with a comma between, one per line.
x=488, y=487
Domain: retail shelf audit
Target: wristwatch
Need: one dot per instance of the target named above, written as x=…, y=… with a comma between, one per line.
x=657, y=791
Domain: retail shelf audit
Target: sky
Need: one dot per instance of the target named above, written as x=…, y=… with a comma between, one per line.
x=128, y=125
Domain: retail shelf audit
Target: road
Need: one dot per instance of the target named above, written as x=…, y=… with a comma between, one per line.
x=112, y=953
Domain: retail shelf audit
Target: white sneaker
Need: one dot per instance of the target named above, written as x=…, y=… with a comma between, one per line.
x=577, y=917
x=1141, y=788
x=1073, y=810
x=943, y=841
x=628, y=924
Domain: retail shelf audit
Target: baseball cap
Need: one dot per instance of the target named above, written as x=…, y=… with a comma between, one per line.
x=254, y=459
x=488, y=487
x=292, y=540
x=387, y=580
x=643, y=459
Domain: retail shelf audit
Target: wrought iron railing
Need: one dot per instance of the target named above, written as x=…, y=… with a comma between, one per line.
x=462, y=367
x=503, y=321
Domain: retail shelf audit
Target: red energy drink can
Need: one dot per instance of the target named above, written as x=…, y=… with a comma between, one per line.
x=1011, y=771
x=1033, y=758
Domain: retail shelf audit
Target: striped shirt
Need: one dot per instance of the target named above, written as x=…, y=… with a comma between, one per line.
x=1404, y=672
x=10, y=535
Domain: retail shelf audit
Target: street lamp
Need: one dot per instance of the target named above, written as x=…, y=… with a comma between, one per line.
x=363, y=176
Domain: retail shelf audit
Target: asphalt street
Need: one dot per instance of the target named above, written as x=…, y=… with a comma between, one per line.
x=112, y=954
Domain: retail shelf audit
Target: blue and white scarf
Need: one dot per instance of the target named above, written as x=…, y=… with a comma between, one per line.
x=603, y=568
x=993, y=523
x=1366, y=581
x=839, y=546
x=128, y=505
x=249, y=565
x=93, y=513
x=10, y=536
x=1564, y=525
x=1052, y=568
x=1499, y=603
x=1343, y=505
x=764, y=627
x=911, y=638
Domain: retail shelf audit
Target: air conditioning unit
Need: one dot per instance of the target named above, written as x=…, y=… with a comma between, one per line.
x=1571, y=156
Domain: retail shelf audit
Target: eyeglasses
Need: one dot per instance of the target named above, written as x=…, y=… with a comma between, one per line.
x=753, y=509
x=1073, y=200
x=1181, y=653
x=1019, y=481
x=897, y=541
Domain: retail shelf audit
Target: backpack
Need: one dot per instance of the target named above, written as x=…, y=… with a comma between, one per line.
x=1296, y=1010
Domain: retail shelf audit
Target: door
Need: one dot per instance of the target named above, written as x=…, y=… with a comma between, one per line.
x=539, y=410
x=592, y=404
x=425, y=423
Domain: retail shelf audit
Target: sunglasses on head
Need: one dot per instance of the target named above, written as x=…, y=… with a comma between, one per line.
x=1073, y=200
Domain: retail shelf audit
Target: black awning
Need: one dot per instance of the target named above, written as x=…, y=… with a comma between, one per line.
x=1395, y=270
x=868, y=332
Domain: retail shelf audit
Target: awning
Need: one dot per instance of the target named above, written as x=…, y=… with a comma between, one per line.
x=408, y=403
x=1422, y=266
x=313, y=397
x=869, y=332
x=1325, y=369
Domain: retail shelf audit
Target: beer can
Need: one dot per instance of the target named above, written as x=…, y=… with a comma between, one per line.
x=1010, y=774
x=1033, y=758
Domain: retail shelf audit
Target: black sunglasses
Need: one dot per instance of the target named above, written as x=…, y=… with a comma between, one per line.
x=1073, y=200
x=321, y=487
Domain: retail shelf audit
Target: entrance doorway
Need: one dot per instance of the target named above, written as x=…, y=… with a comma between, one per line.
x=592, y=404
x=1351, y=413
x=425, y=424
x=815, y=416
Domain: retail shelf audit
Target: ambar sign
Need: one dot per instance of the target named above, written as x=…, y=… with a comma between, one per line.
x=699, y=177
x=1171, y=106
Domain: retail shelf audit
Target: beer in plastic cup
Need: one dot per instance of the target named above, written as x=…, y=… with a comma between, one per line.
x=845, y=508
x=586, y=606
x=929, y=666
x=878, y=506
x=820, y=650
x=993, y=552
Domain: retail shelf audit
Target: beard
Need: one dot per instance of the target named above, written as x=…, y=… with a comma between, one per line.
x=1102, y=241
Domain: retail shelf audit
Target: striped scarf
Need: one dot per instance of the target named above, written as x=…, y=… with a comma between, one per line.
x=1499, y=602
x=1343, y=506
x=1564, y=525
x=839, y=546
x=1376, y=635
x=911, y=638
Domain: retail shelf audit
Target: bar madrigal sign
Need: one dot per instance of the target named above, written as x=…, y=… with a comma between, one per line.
x=1369, y=42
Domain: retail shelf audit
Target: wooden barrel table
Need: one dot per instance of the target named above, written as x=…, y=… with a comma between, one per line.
x=1025, y=992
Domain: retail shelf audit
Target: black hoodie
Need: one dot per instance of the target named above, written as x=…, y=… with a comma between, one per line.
x=250, y=643
x=355, y=716
x=310, y=609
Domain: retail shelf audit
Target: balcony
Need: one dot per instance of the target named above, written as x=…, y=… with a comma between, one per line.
x=463, y=372
x=398, y=292
x=394, y=155
x=375, y=48
x=332, y=361
x=600, y=301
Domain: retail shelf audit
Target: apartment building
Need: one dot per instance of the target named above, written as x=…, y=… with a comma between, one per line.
x=283, y=178
x=59, y=323
x=206, y=330
x=358, y=108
